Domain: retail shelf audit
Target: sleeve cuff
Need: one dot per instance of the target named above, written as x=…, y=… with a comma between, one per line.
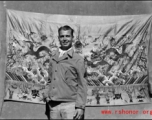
x=80, y=107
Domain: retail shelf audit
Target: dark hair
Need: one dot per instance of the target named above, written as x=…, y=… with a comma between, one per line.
x=66, y=27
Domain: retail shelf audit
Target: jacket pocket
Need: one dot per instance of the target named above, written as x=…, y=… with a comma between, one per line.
x=71, y=77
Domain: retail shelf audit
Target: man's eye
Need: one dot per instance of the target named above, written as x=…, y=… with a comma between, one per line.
x=61, y=36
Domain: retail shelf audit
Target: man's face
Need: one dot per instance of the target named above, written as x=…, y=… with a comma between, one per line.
x=65, y=39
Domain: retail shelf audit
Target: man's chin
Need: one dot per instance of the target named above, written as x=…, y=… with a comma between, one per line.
x=65, y=47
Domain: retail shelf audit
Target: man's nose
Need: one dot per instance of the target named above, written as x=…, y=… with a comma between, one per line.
x=65, y=39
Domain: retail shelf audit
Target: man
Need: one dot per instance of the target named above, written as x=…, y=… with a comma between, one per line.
x=66, y=90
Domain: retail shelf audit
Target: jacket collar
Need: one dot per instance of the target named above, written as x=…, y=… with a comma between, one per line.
x=70, y=52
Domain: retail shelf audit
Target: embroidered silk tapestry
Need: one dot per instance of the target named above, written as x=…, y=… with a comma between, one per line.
x=116, y=50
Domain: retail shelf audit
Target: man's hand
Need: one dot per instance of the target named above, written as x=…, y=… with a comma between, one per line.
x=78, y=113
x=46, y=100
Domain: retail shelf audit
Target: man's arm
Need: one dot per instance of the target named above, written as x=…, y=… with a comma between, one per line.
x=46, y=92
x=47, y=87
x=82, y=90
x=82, y=85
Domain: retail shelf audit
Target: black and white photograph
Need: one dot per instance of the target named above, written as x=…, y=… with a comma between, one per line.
x=75, y=60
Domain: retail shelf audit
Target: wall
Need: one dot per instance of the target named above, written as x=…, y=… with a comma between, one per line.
x=20, y=110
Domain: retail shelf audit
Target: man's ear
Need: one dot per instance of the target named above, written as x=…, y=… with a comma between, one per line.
x=73, y=40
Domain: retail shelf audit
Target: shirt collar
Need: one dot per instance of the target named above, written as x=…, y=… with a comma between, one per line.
x=69, y=51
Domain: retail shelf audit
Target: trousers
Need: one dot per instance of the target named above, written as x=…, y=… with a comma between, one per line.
x=61, y=110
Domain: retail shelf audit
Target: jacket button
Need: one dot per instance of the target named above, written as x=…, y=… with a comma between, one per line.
x=55, y=70
x=54, y=79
